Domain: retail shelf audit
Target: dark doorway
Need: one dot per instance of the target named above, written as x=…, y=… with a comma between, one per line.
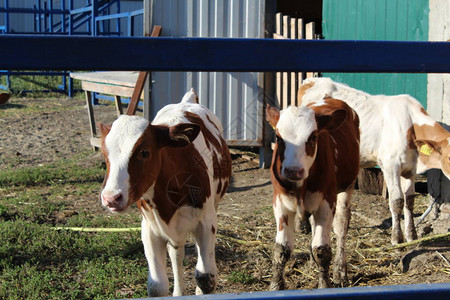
x=309, y=10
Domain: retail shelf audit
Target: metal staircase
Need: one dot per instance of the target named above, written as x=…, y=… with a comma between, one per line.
x=64, y=17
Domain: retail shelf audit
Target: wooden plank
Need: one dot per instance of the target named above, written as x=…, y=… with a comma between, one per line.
x=114, y=78
x=141, y=80
x=132, y=106
x=90, y=110
x=293, y=75
x=286, y=78
x=279, y=78
x=118, y=102
x=301, y=35
x=310, y=35
x=122, y=91
x=32, y=52
x=279, y=36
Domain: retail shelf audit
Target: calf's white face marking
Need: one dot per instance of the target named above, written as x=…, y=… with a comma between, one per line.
x=297, y=131
x=119, y=144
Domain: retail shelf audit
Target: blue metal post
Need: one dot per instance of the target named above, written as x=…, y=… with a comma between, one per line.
x=50, y=18
x=38, y=29
x=45, y=18
x=63, y=17
x=70, y=87
x=118, y=19
x=94, y=14
x=6, y=17
x=8, y=81
x=70, y=16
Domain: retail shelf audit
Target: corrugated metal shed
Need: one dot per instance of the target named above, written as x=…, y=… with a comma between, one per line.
x=236, y=98
x=399, y=20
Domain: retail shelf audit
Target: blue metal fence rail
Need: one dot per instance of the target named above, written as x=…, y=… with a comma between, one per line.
x=93, y=19
x=438, y=291
x=221, y=54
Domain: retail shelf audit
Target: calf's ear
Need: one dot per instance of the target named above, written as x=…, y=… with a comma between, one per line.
x=104, y=129
x=332, y=120
x=182, y=134
x=272, y=115
x=427, y=147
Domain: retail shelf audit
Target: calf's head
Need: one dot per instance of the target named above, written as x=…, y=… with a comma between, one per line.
x=297, y=133
x=436, y=154
x=132, y=150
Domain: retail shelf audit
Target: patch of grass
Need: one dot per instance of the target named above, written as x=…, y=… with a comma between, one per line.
x=243, y=277
x=39, y=85
x=38, y=262
x=124, y=220
x=63, y=171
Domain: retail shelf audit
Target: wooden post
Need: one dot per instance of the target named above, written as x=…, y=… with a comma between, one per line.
x=286, y=79
x=293, y=75
x=301, y=35
x=141, y=80
x=310, y=35
x=279, y=78
x=91, y=116
x=118, y=105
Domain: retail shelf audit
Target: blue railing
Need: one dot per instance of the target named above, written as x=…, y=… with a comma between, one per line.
x=438, y=291
x=221, y=54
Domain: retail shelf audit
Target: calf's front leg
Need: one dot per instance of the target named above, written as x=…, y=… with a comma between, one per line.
x=176, y=254
x=206, y=269
x=284, y=243
x=340, y=226
x=155, y=252
x=320, y=246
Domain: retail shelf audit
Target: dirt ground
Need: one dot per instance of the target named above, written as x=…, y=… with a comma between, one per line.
x=246, y=224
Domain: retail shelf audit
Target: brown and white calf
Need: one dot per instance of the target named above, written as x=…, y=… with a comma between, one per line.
x=314, y=167
x=395, y=132
x=176, y=169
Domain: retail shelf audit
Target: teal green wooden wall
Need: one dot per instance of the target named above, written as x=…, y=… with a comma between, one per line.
x=394, y=20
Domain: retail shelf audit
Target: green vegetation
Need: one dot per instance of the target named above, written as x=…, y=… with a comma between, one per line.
x=39, y=262
x=39, y=85
x=243, y=277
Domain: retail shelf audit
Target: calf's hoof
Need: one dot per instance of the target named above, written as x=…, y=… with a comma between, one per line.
x=322, y=256
x=206, y=283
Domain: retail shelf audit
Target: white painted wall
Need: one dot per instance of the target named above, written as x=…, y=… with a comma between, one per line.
x=438, y=98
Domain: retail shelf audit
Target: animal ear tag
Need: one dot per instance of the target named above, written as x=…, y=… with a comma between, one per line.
x=425, y=149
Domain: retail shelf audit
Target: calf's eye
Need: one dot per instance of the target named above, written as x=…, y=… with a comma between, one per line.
x=144, y=154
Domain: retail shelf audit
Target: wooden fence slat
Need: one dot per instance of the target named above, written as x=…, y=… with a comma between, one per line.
x=286, y=78
x=301, y=35
x=288, y=83
x=293, y=75
x=310, y=35
x=279, y=78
